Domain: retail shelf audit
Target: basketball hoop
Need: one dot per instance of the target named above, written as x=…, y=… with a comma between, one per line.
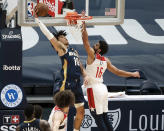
x=74, y=22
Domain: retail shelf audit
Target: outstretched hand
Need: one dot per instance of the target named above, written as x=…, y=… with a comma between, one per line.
x=83, y=14
x=136, y=74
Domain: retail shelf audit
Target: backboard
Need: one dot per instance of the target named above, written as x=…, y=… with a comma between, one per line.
x=104, y=12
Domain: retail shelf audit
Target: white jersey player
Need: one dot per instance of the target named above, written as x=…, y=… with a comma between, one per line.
x=58, y=119
x=95, y=71
x=96, y=91
x=58, y=116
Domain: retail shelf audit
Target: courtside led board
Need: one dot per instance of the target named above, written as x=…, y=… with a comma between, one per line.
x=104, y=12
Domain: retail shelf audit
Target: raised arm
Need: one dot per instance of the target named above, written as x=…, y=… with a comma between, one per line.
x=59, y=47
x=119, y=72
x=86, y=43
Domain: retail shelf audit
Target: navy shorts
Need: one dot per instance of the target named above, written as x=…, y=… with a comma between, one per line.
x=75, y=86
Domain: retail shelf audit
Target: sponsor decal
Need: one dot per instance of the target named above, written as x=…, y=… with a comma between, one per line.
x=8, y=128
x=89, y=122
x=115, y=117
x=11, y=35
x=11, y=119
x=10, y=122
x=13, y=67
x=11, y=96
x=30, y=8
x=146, y=122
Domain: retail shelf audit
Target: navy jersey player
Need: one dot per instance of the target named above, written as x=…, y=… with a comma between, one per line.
x=38, y=110
x=31, y=123
x=96, y=91
x=71, y=69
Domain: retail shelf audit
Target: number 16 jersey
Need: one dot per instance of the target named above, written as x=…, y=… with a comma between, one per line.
x=97, y=68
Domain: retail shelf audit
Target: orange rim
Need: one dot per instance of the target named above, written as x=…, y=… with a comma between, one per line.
x=76, y=16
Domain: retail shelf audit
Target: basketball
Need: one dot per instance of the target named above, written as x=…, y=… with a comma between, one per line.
x=42, y=9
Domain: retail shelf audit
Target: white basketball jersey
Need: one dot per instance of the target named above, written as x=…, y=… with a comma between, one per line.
x=62, y=126
x=97, y=68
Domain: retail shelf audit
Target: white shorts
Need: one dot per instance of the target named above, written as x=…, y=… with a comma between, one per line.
x=98, y=97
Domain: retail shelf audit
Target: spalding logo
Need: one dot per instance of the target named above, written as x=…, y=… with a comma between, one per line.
x=11, y=35
x=11, y=96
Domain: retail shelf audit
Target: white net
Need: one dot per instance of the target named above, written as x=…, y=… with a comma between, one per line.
x=76, y=30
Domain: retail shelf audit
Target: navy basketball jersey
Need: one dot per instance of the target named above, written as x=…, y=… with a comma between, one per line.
x=32, y=125
x=70, y=65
